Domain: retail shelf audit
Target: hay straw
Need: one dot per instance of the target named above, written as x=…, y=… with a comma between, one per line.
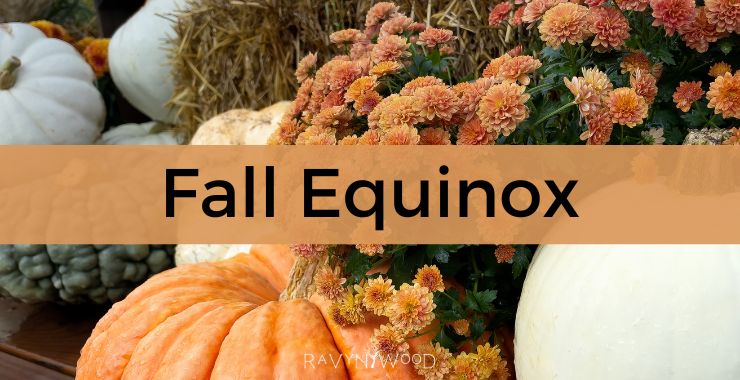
x=242, y=54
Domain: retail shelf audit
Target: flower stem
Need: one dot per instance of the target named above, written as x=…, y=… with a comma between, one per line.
x=553, y=113
x=8, y=73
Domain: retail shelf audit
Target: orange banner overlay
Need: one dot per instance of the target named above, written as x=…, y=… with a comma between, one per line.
x=369, y=194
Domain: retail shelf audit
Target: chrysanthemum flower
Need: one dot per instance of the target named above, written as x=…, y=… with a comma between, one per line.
x=377, y=295
x=359, y=87
x=96, y=55
x=315, y=135
x=534, y=9
x=388, y=342
x=515, y=51
x=379, y=12
x=464, y=366
x=518, y=14
x=499, y=13
x=430, y=277
x=600, y=126
x=306, y=67
x=672, y=14
x=52, y=30
x=349, y=140
x=302, y=98
x=346, y=36
x=411, y=308
x=83, y=43
x=594, y=3
x=437, y=102
x=461, y=327
x=329, y=283
x=473, y=133
x=309, y=251
x=420, y=82
x=397, y=110
x=348, y=309
x=585, y=96
x=653, y=136
x=686, y=94
x=609, y=26
x=361, y=50
x=634, y=61
x=494, y=67
x=332, y=117
x=724, y=14
x=370, y=137
x=719, y=69
x=489, y=363
x=367, y=102
x=470, y=94
x=395, y=25
x=343, y=74
x=432, y=37
x=502, y=108
x=644, y=85
x=517, y=69
x=286, y=132
x=598, y=80
x=370, y=249
x=436, y=361
x=632, y=5
x=565, y=23
x=385, y=68
x=333, y=99
x=400, y=135
x=504, y=253
x=734, y=138
x=434, y=136
x=699, y=33
x=390, y=48
x=626, y=107
x=724, y=95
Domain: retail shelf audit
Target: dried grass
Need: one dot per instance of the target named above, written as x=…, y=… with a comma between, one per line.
x=241, y=54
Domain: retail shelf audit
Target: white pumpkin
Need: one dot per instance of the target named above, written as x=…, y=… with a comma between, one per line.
x=198, y=253
x=151, y=133
x=638, y=312
x=241, y=126
x=138, y=59
x=47, y=94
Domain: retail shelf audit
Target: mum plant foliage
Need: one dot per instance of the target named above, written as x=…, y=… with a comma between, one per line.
x=630, y=72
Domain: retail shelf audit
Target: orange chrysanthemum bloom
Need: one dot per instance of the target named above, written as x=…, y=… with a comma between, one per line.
x=461, y=327
x=515, y=51
x=686, y=94
x=397, y=110
x=96, y=55
x=724, y=95
x=598, y=80
x=470, y=94
x=698, y=34
x=632, y=5
x=634, y=61
x=333, y=99
x=724, y=15
x=400, y=135
x=473, y=133
x=309, y=251
x=626, y=107
x=672, y=14
x=503, y=107
x=367, y=102
x=302, y=98
x=734, y=138
x=504, y=253
x=390, y=48
x=388, y=342
x=600, y=126
x=609, y=26
x=343, y=74
x=370, y=137
x=437, y=102
x=332, y=117
x=585, y=96
x=420, y=82
x=489, y=364
x=518, y=15
x=360, y=87
x=349, y=140
x=432, y=37
x=286, y=132
x=430, y=277
x=380, y=12
x=370, y=249
x=438, y=365
x=329, y=283
x=719, y=69
x=499, y=13
x=377, y=295
x=83, y=43
x=314, y=135
x=517, y=69
x=434, y=136
x=348, y=309
x=411, y=308
x=346, y=36
x=534, y=9
x=565, y=23
x=464, y=366
x=644, y=85
x=306, y=67
x=494, y=67
x=52, y=30
x=385, y=68
x=396, y=25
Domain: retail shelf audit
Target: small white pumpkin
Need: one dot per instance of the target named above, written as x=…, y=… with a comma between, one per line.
x=150, y=133
x=139, y=62
x=199, y=253
x=638, y=312
x=241, y=126
x=47, y=94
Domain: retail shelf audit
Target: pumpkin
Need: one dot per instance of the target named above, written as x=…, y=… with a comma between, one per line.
x=230, y=315
x=138, y=59
x=47, y=94
x=630, y=312
x=241, y=126
x=186, y=254
x=151, y=133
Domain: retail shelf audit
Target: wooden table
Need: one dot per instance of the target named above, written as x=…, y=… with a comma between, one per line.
x=43, y=341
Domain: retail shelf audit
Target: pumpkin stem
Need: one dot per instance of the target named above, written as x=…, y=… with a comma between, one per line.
x=300, y=280
x=8, y=73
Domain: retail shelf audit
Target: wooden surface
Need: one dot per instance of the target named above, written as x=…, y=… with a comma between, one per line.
x=43, y=339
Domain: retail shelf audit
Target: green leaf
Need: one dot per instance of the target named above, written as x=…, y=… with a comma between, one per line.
x=477, y=328
x=726, y=46
x=662, y=53
x=481, y=302
x=521, y=262
x=448, y=310
x=441, y=253
x=357, y=266
x=444, y=340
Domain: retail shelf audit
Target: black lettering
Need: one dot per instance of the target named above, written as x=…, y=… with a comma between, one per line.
x=230, y=207
x=533, y=192
x=170, y=191
x=561, y=198
x=377, y=207
x=309, y=193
